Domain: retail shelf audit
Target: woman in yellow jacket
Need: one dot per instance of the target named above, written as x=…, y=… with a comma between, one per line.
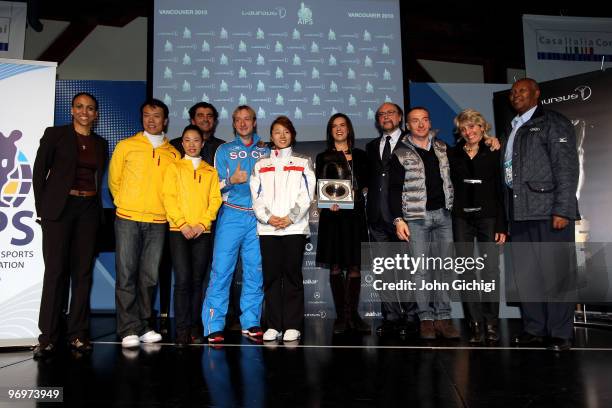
x=192, y=198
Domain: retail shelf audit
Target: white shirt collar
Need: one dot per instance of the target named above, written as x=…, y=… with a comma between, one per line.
x=156, y=140
x=395, y=135
x=524, y=118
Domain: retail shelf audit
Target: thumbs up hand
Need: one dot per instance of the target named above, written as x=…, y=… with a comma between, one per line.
x=239, y=176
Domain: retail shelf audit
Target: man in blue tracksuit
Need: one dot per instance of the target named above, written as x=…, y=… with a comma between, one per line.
x=236, y=232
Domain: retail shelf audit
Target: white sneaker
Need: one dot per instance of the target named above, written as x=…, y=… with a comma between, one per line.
x=291, y=335
x=130, y=341
x=151, y=337
x=271, y=335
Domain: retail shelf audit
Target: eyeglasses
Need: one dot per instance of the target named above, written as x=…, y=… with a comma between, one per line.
x=387, y=113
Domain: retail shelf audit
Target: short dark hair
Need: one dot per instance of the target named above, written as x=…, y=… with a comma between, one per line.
x=530, y=81
x=156, y=103
x=418, y=108
x=194, y=128
x=287, y=124
x=87, y=94
x=206, y=105
x=350, y=139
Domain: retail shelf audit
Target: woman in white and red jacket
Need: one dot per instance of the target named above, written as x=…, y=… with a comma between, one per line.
x=282, y=187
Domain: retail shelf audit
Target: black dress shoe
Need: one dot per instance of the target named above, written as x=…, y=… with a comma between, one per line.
x=492, y=335
x=558, y=344
x=357, y=324
x=43, y=350
x=407, y=328
x=387, y=328
x=80, y=345
x=476, y=333
x=340, y=326
x=528, y=339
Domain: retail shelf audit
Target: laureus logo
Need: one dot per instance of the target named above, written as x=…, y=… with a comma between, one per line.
x=584, y=91
x=581, y=93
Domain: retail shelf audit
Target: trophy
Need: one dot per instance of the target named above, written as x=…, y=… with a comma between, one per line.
x=335, y=191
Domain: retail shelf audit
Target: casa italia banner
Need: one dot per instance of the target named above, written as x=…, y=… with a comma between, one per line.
x=27, y=92
x=559, y=46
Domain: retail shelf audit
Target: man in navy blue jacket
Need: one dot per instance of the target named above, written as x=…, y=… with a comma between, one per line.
x=541, y=171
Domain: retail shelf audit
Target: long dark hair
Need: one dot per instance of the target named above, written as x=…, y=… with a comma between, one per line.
x=350, y=140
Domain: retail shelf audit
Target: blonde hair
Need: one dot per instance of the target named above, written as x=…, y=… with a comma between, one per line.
x=471, y=116
x=248, y=109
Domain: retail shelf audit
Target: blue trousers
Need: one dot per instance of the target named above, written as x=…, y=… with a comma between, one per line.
x=432, y=237
x=236, y=233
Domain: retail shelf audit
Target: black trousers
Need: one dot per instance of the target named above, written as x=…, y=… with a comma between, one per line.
x=479, y=307
x=190, y=259
x=281, y=261
x=68, y=251
x=543, y=270
x=383, y=231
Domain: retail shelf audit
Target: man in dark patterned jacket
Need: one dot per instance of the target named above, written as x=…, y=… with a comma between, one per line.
x=540, y=164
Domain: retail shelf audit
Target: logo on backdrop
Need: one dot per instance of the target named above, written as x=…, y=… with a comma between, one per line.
x=584, y=91
x=581, y=94
x=279, y=12
x=304, y=15
x=15, y=184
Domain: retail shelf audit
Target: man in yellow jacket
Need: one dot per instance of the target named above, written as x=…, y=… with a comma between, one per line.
x=135, y=180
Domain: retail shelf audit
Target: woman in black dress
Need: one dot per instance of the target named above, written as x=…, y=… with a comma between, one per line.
x=478, y=213
x=342, y=231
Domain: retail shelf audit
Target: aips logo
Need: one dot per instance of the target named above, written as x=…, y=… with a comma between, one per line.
x=15, y=185
x=304, y=15
x=581, y=93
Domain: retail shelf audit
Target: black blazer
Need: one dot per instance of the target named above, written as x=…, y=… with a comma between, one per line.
x=55, y=169
x=378, y=179
x=488, y=195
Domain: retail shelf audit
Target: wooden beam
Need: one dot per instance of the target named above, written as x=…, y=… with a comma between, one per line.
x=68, y=41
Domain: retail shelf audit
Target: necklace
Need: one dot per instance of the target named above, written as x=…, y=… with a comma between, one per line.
x=81, y=135
x=470, y=149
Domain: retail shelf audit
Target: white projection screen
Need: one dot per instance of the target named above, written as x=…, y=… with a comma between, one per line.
x=306, y=60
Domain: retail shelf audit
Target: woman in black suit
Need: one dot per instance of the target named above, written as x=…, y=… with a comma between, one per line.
x=342, y=231
x=478, y=213
x=67, y=178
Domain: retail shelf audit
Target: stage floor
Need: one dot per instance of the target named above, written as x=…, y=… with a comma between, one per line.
x=322, y=370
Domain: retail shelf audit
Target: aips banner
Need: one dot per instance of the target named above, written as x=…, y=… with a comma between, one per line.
x=27, y=90
x=557, y=47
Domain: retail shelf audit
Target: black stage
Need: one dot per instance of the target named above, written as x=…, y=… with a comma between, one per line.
x=323, y=371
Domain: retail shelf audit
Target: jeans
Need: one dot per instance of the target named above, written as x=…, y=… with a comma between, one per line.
x=432, y=237
x=190, y=258
x=139, y=248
